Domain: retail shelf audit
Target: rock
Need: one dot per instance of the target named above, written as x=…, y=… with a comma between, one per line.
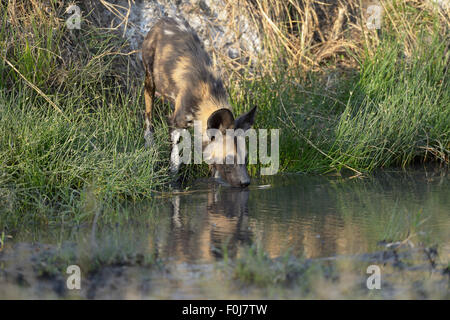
x=225, y=33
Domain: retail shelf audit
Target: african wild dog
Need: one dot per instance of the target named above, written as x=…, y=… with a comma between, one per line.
x=178, y=68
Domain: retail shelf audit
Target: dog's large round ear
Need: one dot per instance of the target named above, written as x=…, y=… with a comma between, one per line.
x=221, y=119
x=245, y=121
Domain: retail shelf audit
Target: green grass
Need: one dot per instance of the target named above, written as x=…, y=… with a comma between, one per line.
x=399, y=111
x=394, y=111
x=47, y=159
x=52, y=161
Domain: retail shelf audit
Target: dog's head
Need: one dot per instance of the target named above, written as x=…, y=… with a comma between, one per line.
x=228, y=158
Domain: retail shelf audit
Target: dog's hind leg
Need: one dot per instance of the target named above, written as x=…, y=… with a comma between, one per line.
x=148, y=59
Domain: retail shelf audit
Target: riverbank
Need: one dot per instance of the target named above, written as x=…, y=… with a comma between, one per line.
x=291, y=236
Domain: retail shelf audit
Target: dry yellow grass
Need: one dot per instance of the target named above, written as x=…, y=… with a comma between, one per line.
x=302, y=34
x=313, y=35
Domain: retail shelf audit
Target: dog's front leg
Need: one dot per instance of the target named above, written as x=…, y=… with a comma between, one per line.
x=175, y=160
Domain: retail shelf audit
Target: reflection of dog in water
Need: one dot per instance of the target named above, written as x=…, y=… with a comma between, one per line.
x=205, y=232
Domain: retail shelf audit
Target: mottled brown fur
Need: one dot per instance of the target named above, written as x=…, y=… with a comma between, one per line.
x=178, y=68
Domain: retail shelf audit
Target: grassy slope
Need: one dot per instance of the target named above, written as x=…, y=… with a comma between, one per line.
x=392, y=112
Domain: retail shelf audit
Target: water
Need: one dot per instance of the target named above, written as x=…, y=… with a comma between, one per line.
x=188, y=235
x=318, y=216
